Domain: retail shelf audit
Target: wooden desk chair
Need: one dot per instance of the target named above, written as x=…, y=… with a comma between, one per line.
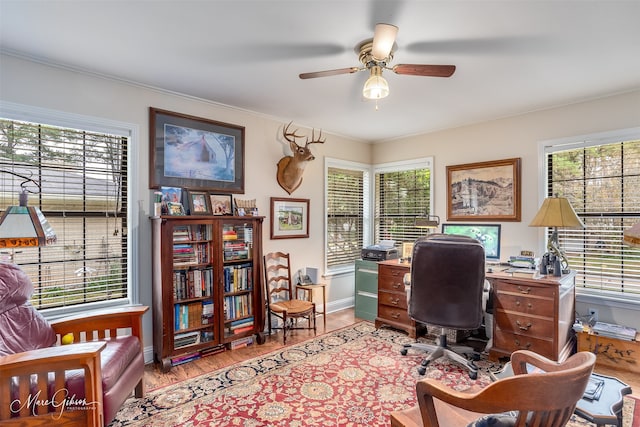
x=541, y=399
x=281, y=299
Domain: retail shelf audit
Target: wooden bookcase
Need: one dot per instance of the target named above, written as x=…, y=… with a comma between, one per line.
x=207, y=285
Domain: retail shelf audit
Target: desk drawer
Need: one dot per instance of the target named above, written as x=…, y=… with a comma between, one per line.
x=393, y=299
x=511, y=342
x=395, y=314
x=521, y=324
x=390, y=281
x=526, y=304
x=503, y=287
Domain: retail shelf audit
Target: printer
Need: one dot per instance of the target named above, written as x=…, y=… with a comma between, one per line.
x=383, y=251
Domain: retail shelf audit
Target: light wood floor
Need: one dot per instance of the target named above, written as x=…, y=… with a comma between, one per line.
x=155, y=378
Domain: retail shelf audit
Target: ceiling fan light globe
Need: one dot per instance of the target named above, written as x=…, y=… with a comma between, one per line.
x=376, y=87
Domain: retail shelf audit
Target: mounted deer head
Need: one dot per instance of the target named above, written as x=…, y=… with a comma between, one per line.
x=290, y=168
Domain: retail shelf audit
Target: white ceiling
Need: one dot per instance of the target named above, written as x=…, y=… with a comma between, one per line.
x=512, y=57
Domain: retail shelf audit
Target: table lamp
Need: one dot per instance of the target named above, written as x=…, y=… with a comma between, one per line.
x=557, y=212
x=429, y=221
x=23, y=225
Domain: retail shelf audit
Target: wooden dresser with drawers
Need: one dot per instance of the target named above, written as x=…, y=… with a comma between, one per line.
x=392, y=298
x=533, y=313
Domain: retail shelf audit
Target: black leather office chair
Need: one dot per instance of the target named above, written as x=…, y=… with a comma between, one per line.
x=447, y=282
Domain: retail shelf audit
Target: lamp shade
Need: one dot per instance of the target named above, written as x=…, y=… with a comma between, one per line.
x=556, y=212
x=431, y=221
x=23, y=225
x=632, y=236
x=376, y=87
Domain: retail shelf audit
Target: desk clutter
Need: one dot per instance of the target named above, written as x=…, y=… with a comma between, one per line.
x=614, y=331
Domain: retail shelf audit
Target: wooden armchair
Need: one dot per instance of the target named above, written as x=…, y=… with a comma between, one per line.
x=545, y=397
x=81, y=384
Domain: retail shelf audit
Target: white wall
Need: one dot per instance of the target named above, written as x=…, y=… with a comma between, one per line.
x=520, y=137
x=39, y=85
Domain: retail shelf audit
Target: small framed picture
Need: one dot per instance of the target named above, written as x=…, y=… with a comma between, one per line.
x=199, y=203
x=175, y=208
x=289, y=218
x=169, y=194
x=221, y=204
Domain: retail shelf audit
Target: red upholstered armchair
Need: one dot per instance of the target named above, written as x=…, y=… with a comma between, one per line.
x=84, y=383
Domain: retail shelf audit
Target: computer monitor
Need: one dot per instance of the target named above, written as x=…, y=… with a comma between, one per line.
x=487, y=234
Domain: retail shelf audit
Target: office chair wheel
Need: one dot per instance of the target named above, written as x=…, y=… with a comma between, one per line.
x=425, y=362
x=475, y=356
x=421, y=370
x=473, y=375
x=403, y=352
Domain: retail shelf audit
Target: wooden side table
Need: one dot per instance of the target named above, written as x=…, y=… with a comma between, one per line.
x=308, y=289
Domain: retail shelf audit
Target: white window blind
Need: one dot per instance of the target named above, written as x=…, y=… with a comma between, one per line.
x=402, y=194
x=346, y=191
x=602, y=182
x=83, y=178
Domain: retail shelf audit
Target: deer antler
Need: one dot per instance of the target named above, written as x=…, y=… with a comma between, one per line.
x=313, y=138
x=288, y=135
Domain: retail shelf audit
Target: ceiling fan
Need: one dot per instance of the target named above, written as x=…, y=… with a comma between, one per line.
x=375, y=55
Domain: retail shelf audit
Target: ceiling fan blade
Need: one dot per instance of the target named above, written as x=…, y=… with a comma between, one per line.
x=327, y=73
x=383, y=40
x=425, y=70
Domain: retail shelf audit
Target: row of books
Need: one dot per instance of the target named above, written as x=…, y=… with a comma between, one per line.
x=237, y=306
x=236, y=255
x=241, y=342
x=240, y=326
x=192, y=283
x=186, y=339
x=185, y=254
x=612, y=330
x=208, y=351
x=187, y=233
x=187, y=316
x=238, y=277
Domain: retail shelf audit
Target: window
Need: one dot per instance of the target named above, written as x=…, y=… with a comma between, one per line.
x=402, y=193
x=84, y=194
x=600, y=176
x=347, y=195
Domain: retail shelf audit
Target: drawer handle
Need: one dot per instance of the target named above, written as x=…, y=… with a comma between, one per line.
x=394, y=301
x=529, y=305
x=526, y=346
x=395, y=316
x=397, y=286
x=523, y=328
x=523, y=290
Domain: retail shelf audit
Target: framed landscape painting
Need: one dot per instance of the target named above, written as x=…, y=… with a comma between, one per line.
x=195, y=153
x=289, y=218
x=485, y=191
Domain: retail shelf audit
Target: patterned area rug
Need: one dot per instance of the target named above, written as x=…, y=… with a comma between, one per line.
x=351, y=377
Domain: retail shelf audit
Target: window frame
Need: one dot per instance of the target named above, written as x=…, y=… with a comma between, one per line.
x=366, y=203
x=584, y=295
x=402, y=166
x=15, y=111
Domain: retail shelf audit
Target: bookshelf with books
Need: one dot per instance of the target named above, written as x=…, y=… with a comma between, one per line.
x=240, y=262
x=207, y=288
